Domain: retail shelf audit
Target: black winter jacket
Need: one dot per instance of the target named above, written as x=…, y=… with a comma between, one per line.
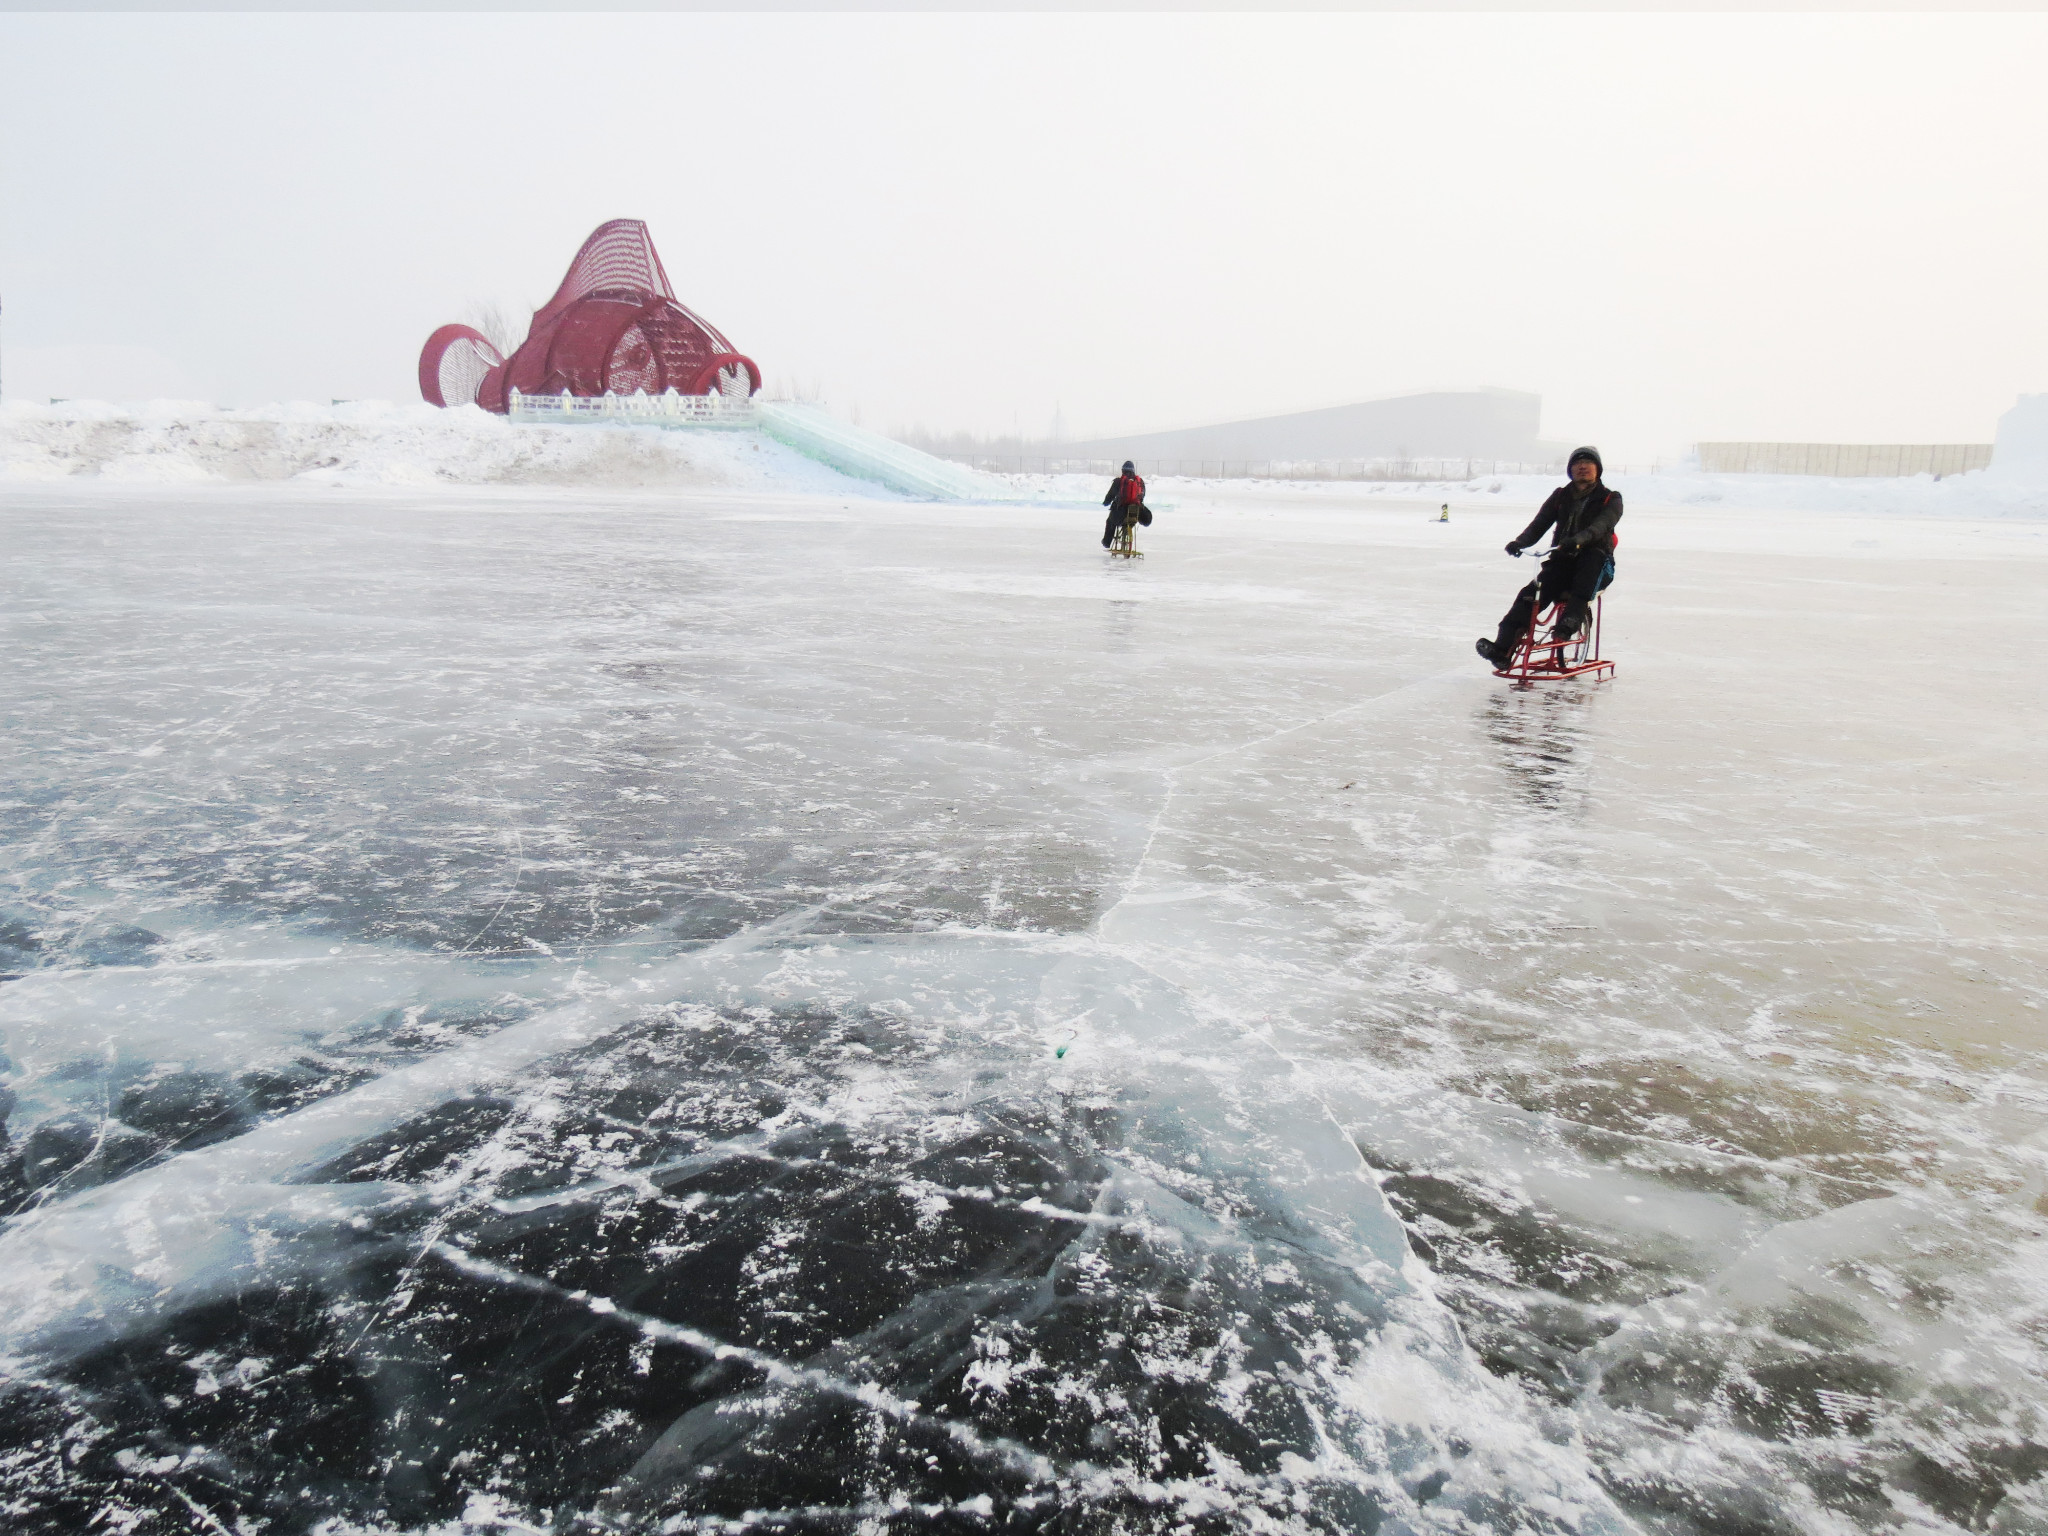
x=1579, y=523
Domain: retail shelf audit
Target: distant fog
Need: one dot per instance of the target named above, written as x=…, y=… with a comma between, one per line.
x=1670, y=227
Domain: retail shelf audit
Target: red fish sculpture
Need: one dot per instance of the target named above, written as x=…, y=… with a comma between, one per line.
x=614, y=327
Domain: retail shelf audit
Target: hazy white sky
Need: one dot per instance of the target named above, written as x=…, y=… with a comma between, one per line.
x=1818, y=227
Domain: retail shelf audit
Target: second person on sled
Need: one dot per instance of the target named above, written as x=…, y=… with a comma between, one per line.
x=1126, y=500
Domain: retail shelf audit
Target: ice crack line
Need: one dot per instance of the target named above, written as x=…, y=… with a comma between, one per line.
x=1078, y=1479
x=518, y=873
x=1264, y=1039
x=1012, y=1456
x=1172, y=775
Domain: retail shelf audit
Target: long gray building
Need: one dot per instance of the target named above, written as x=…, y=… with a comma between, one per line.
x=1448, y=424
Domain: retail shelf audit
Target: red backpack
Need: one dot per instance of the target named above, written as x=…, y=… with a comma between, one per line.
x=1134, y=490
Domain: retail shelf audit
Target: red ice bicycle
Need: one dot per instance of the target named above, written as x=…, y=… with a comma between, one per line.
x=1542, y=661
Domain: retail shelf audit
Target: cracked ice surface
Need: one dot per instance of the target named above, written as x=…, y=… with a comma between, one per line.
x=541, y=1011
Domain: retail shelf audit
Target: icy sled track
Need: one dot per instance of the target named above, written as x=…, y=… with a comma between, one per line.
x=533, y=1011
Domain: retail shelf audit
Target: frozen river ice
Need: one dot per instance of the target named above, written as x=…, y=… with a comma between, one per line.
x=540, y=1010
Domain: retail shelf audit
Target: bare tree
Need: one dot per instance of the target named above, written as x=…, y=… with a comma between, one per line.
x=489, y=316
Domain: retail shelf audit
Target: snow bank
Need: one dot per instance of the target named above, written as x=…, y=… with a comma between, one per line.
x=370, y=444
x=2021, y=451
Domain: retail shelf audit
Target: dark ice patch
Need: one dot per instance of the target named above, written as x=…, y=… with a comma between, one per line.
x=35, y=934
x=71, y=1153
x=185, y=1109
x=252, y=1410
x=423, y=1147
x=113, y=944
x=1544, y=1300
x=21, y=946
x=283, y=1086
x=1005, y=1265
x=55, y=1147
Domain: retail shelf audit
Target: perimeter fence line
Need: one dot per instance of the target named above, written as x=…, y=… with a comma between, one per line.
x=1844, y=460
x=1445, y=470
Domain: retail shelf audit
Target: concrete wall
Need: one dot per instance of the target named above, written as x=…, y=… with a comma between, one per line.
x=1843, y=460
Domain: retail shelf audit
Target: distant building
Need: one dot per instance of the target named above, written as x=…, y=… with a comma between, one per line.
x=1490, y=424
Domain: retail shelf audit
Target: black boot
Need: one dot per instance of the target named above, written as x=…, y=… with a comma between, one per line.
x=1570, y=622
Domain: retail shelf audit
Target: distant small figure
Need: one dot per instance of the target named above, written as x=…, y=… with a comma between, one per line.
x=1445, y=515
x=1126, y=503
x=1580, y=563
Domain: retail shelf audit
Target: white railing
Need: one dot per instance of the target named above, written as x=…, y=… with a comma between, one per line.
x=666, y=410
x=1844, y=460
x=1403, y=470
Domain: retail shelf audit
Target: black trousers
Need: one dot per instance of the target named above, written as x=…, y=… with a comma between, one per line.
x=1140, y=514
x=1568, y=576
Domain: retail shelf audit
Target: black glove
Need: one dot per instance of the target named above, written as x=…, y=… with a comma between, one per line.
x=1514, y=549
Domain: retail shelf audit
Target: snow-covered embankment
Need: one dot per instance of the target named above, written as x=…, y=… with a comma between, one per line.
x=369, y=444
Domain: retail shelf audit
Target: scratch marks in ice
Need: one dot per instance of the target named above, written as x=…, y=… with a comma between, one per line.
x=837, y=1202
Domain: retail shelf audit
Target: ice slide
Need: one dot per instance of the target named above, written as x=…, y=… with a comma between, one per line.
x=870, y=456
x=810, y=430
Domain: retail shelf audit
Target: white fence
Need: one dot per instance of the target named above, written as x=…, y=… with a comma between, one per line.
x=668, y=410
x=1845, y=460
x=1261, y=469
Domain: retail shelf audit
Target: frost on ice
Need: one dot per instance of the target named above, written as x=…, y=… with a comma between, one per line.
x=750, y=1006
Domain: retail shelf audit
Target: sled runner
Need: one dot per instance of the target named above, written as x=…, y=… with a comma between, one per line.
x=1124, y=541
x=1541, y=661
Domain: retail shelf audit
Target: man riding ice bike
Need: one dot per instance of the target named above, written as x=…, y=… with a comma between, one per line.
x=1580, y=563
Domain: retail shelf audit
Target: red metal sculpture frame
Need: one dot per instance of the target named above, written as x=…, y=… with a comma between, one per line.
x=1542, y=661
x=454, y=364
x=614, y=327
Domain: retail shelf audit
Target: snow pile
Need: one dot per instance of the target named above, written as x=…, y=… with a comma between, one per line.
x=2021, y=451
x=370, y=444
